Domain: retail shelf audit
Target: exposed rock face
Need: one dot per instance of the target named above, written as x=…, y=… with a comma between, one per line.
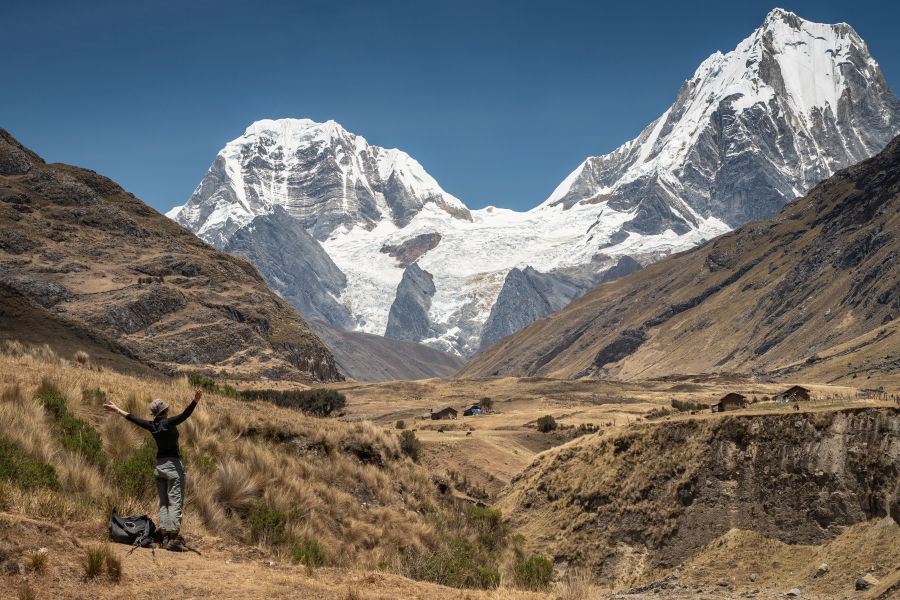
x=295, y=265
x=802, y=291
x=408, y=319
x=526, y=296
x=411, y=250
x=625, y=266
x=657, y=493
x=91, y=264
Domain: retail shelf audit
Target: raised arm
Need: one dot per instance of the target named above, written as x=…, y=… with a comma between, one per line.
x=180, y=418
x=112, y=407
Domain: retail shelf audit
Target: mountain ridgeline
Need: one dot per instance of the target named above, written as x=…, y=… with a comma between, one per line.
x=748, y=132
x=817, y=287
x=84, y=265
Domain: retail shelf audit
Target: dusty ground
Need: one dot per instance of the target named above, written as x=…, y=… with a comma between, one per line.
x=223, y=572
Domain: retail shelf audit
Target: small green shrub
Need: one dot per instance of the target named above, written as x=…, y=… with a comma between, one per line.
x=459, y=564
x=134, y=476
x=267, y=524
x=682, y=405
x=401, y=424
x=410, y=445
x=533, y=573
x=72, y=433
x=22, y=470
x=310, y=553
x=319, y=402
x=487, y=523
x=210, y=386
x=546, y=424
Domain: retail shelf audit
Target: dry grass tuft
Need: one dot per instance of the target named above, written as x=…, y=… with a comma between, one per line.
x=574, y=585
x=37, y=561
x=82, y=358
x=26, y=592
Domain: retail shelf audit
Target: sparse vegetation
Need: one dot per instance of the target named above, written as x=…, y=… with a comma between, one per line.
x=683, y=405
x=533, y=573
x=574, y=585
x=310, y=553
x=400, y=424
x=72, y=433
x=486, y=404
x=134, y=475
x=23, y=470
x=267, y=524
x=546, y=424
x=318, y=402
x=410, y=444
x=210, y=386
x=82, y=358
x=113, y=565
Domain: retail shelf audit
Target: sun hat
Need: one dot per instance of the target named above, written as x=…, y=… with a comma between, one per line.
x=158, y=407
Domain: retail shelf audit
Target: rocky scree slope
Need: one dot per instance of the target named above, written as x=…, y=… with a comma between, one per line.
x=80, y=248
x=751, y=130
x=630, y=501
x=767, y=296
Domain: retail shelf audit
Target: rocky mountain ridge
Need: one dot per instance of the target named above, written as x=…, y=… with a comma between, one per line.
x=805, y=290
x=82, y=251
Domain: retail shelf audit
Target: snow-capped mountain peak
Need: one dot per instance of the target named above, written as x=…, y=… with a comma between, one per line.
x=323, y=175
x=751, y=129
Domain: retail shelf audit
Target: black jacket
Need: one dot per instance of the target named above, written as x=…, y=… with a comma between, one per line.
x=165, y=431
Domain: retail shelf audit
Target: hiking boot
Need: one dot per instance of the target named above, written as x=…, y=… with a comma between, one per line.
x=173, y=542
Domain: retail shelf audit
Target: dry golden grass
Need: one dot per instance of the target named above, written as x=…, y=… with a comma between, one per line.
x=347, y=486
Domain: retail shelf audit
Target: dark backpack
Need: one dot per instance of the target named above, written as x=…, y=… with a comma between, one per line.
x=136, y=531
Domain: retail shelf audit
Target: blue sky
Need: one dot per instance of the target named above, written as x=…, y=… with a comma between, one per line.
x=498, y=100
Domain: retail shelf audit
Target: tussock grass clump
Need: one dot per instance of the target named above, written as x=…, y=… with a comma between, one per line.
x=100, y=558
x=574, y=585
x=26, y=592
x=318, y=402
x=37, y=561
x=533, y=573
x=24, y=471
x=72, y=433
x=93, y=562
x=82, y=358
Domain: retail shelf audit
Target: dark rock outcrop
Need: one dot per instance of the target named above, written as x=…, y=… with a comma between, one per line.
x=408, y=317
x=295, y=265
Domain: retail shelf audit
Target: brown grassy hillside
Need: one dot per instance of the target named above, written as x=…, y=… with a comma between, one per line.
x=775, y=296
x=81, y=250
x=634, y=502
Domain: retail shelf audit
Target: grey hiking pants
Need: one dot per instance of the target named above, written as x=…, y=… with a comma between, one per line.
x=170, y=486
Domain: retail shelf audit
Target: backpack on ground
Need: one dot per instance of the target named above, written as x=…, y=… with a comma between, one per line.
x=136, y=531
